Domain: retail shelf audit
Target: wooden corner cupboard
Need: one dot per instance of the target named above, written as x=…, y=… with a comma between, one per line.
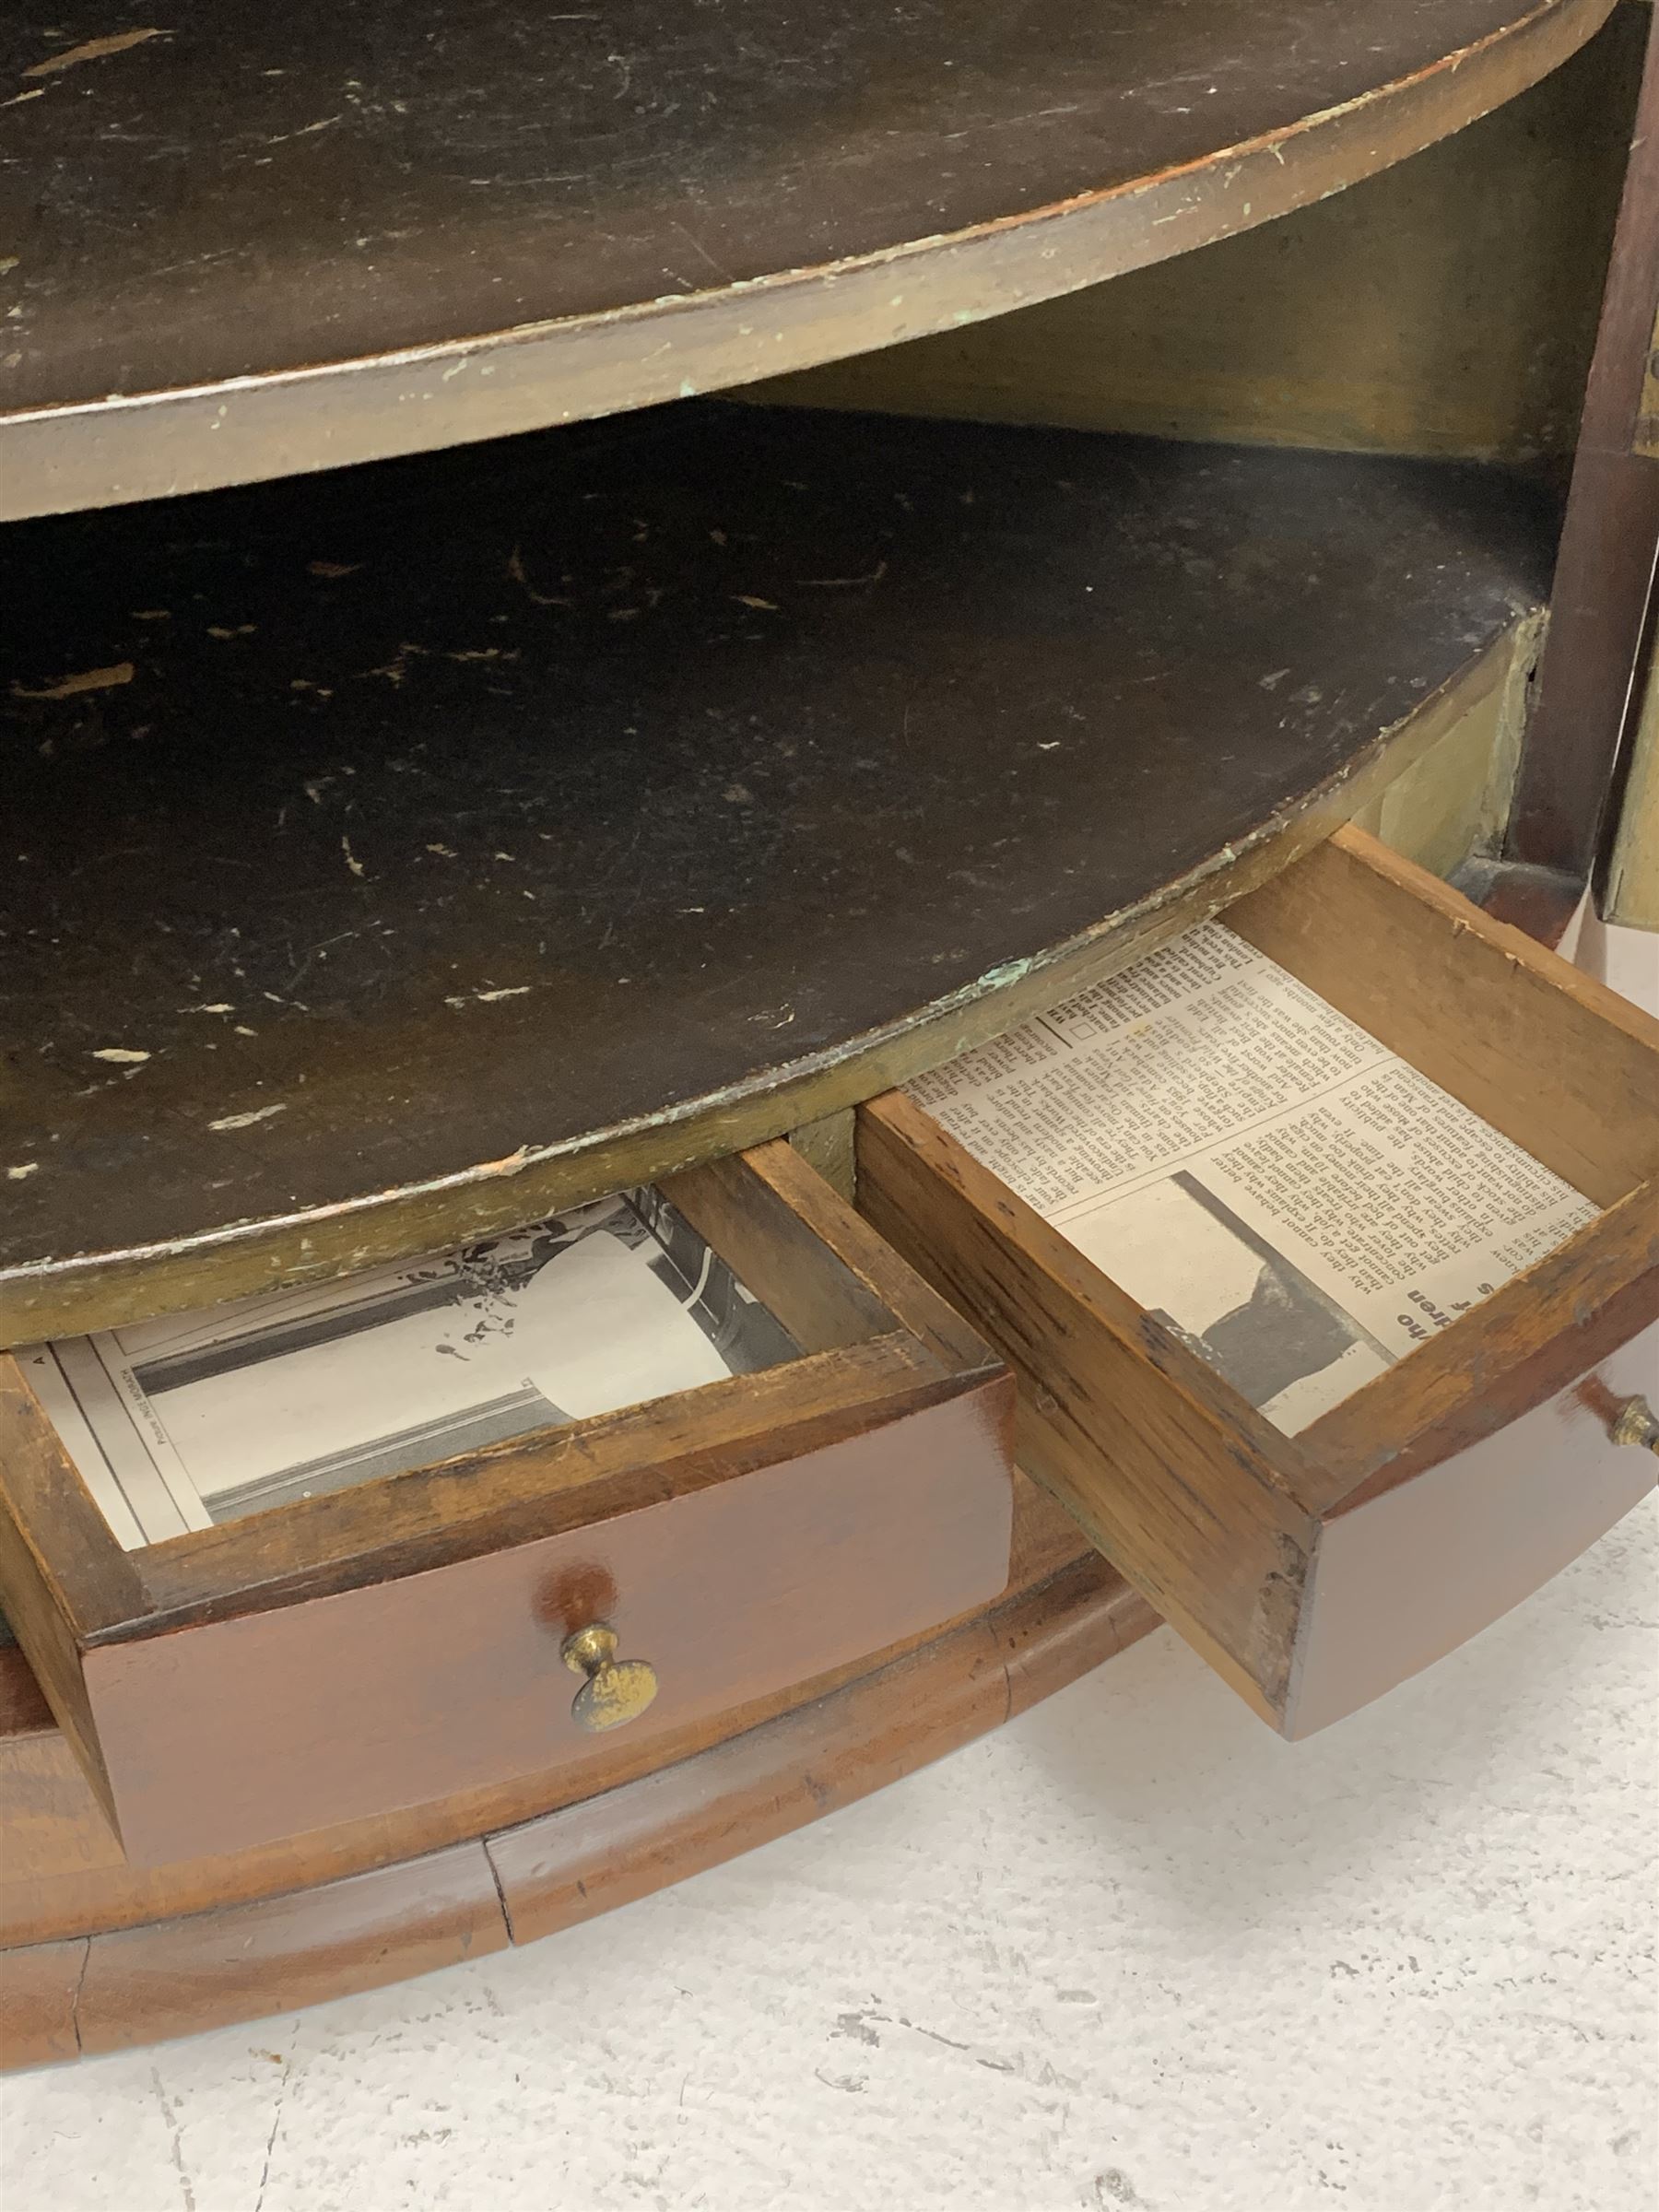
x=691, y=612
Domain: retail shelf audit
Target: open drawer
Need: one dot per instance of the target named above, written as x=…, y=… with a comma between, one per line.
x=419, y=1635
x=1317, y=1570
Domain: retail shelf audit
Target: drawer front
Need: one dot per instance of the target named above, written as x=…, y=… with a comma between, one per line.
x=345, y=1706
x=1407, y=1576
x=371, y=1647
x=1316, y=1571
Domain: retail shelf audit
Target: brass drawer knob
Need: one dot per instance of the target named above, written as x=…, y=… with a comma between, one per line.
x=616, y=1690
x=1636, y=1423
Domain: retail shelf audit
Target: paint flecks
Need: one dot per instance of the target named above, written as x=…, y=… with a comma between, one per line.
x=487, y=998
x=22, y=1172
x=95, y=50
x=246, y=1121
x=88, y=679
x=841, y=583
x=120, y=1055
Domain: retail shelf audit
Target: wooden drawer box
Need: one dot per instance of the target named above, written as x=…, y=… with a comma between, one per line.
x=347, y=1654
x=1315, y=1572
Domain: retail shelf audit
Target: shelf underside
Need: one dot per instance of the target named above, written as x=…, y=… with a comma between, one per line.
x=241, y=242
x=397, y=853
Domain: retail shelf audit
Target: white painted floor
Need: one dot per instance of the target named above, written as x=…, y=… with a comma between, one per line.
x=1131, y=1954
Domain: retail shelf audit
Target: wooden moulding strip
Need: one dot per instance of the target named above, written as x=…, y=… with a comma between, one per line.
x=238, y=1963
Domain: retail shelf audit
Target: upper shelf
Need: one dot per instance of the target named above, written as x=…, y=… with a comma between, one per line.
x=395, y=854
x=263, y=239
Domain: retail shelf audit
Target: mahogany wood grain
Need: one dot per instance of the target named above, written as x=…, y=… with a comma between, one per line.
x=143, y=1984
x=1219, y=1519
x=551, y=1483
x=560, y=1869
x=1468, y=1539
x=23, y=1705
x=351, y=1655
x=52, y=1825
x=337, y=1707
x=39, y=1993
x=1076, y=1633
x=567, y=1868
x=78, y=1891
x=236, y=1962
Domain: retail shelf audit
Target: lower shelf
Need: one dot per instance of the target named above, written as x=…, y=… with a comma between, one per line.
x=111, y=1968
x=696, y=777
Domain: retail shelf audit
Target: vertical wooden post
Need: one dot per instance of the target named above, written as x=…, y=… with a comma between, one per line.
x=1604, y=575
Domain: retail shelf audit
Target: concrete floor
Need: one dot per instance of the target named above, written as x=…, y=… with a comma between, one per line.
x=1131, y=1954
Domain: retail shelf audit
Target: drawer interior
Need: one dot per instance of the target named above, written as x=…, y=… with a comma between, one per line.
x=1565, y=1068
x=512, y=1547
x=192, y=1420
x=1562, y=1065
x=1241, y=1534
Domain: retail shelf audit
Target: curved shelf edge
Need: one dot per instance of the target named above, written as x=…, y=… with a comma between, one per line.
x=115, y=1989
x=66, y=1296
x=411, y=399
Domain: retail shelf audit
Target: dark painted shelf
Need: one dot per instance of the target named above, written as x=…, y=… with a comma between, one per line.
x=238, y=241
x=399, y=851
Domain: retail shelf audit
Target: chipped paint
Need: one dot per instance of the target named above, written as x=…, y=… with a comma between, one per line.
x=88, y=680
x=246, y=1121
x=95, y=50
x=487, y=998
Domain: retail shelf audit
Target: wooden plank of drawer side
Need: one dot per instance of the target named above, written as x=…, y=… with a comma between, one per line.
x=61, y=1573
x=1201, y=1507
x=1222, y=1522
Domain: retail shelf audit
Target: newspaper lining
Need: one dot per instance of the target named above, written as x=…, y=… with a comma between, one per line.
x=1296, y=1202
x=194, y=1420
